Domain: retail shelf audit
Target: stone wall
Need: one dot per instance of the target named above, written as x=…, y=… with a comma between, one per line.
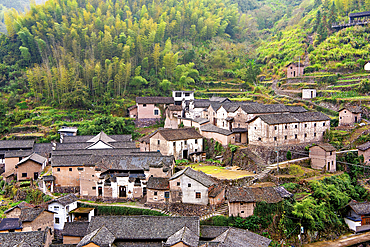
x=68, y=190
x=145, y=122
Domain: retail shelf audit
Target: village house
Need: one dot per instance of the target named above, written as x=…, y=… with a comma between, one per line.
x=197, y=108
x=10, y=225
x=177, y=142
x=364, y=150
x=149, y=110
x=195, y=187
x=192, y=122
x=158, y=190
x=14, y=145
x=36, y=219
x=82, y=214
x=30, y=167
x=180, y=96
x=308, y=93
x=294, y=70
x=242, y=200
x=127, y=177
x=61, y=207
x=349, y=115
x=67, y=131
x=173, y=112
x=288, y=129
x=358, y=216
x=223, y=136
x=29, y=239
x=73, y=232
x=183, y=237
x=323, y=157
x=15, y=212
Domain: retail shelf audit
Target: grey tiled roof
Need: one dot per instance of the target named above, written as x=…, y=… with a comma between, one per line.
x=242, y=238
x=248, y=194
x=43, y=149
x=211, y=232
x=118, y=138
x=326, y=146
x=10, y=224
x=16, y=144
x=158, y=183
x=154, y=100
x=85, y=145
x=29, y=239
x=353, y=109
x=201, y=103
x=212, y=128
x=184, y=235
x=174, y=107
x=101, y=137
x=21, y=205
x=34, y=157
x=179, y=134
x=144, y=162
x=18, y=153
x=198, y=176
x=296, y=109
x=364, y=146
x=143, y=227
x=262, y=109
x=292, y=117
x=115, y=151
x=30, y=214
x=65, y=200
x=360, y=208
x=102, y=237
x=219, y=99
x=215, y=190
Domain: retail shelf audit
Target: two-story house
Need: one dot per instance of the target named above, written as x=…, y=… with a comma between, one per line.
x=323, y=156
x=61, y=207
x=150, y=110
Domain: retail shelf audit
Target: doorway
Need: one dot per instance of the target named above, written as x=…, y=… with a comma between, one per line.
x=237, y=137
x=35, y=175
x=311, y=94
x=355, y=119
x=122, y=191
x=100, y=191
x=184, y=154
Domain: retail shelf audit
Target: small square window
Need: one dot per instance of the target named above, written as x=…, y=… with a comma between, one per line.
x=259, y=138
x=187, y=94
x=314, y=125
x=242, y=212
x=57, y=220
x=94, y=188
x=155, y=193
x=331, y=153
x=196, y=141
x=314, y=134
x=295, y=136
x=178, y=94
x=156, y=112
x=92, y=175
x=197, y=195
x=255, y=128
x=275, y=138
x=196, y=150
x=305, y=125
x=345, y=111
x=323, y=124
x=285, y=137
x=286, y=126
x=305, y=135
x=58, y=169
x=159, y=142
x=189, y=185
x=178, y=183
x=24, y=175
x=144, y=105
x=296, y=126
x=241, y=204
x=174, y=144
x=185, y=143
x=275, y=127
x=70, y=169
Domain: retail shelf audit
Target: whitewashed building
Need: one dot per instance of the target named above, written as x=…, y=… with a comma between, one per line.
x=61, y=207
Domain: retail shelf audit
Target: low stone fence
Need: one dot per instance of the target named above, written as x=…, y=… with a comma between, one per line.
x=67, y=189
x=145, y=122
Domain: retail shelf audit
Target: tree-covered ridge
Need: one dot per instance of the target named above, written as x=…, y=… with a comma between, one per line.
x=77, y=49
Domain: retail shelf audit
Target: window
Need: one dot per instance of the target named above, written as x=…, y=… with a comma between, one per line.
x=156, y=112
x=178, y=183
x=259, y=138
x=197, y=195
x=285, y=137
x=305, y=125
x=255, y=128
x=92, y=175
x=275, y=138
x=314, y=125
x=178, y=94
x=80, y=168
x=314, y=134
x=196, y=141
x=189, y=185
x=70, y=169
x=242, y=212
x=166, y=194
x=58, y=169
x=56, y=208
x=185, y=143
x=94, y=188
x=305, y=135
x=174, y=144
x=295, y=136
x=340, y=117
x=345, y=111
x=323, y=124
x=159, y=142
x=296, y=126
x=241, y=204
x=275, y=127
x=196, y=150
x=24, y=175
x=286, y=126
x=20, y=158
x=155, y=193
x=56, y=220
x=144, y=105
x=187, y=94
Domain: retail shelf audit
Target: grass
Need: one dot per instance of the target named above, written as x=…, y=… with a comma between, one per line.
x=220, y=172
x=241, y=99
x=348, y=80
x=349, y=85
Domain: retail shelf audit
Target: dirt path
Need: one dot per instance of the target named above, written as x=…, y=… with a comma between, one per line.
x=344, y=241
